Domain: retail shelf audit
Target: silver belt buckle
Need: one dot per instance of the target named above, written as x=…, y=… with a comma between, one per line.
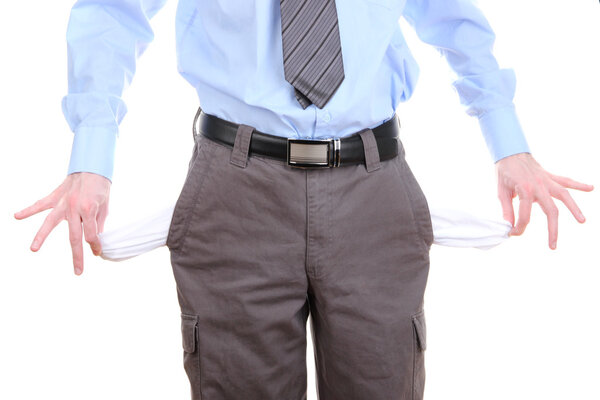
x=313, y=153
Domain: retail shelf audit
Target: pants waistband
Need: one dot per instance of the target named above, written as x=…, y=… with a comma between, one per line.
x=356, y=148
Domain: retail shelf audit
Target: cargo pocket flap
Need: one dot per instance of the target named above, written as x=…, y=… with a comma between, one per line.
x=420, y=329
x=188, y=332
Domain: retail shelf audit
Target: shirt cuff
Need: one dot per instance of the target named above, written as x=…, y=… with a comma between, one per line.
x=503, y=133
x=93, y=151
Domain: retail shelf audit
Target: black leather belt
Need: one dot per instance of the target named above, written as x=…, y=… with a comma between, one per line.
x=303, y=153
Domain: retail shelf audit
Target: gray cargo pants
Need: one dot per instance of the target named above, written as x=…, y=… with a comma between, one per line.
x=257, y=246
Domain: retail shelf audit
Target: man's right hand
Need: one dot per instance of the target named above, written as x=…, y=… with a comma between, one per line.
x=81, y=198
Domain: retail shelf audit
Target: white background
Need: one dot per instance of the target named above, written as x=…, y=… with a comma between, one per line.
x=519, y=321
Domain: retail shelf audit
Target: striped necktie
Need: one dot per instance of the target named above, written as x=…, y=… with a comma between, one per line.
x=312, y=54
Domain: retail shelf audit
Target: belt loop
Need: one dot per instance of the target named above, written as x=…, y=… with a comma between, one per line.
x=372, y=161
x=239, y=153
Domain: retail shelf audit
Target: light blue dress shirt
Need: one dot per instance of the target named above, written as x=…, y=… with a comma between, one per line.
x=230, y=52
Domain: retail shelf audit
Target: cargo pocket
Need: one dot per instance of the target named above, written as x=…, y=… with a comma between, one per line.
x=198, y=168
x=419, y=345
x=191, y=358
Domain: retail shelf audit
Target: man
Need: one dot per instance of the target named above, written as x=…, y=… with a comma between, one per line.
x=257, y=243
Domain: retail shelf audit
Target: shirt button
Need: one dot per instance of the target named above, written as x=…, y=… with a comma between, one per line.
x=326, y=117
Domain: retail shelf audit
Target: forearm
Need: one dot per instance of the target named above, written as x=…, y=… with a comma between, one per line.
x=461, y=33
x=104, y=40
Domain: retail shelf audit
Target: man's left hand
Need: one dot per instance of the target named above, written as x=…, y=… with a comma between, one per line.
x=521, y=175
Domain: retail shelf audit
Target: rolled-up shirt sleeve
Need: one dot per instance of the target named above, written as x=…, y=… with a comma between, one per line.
x=462, y=34
x=104, y=40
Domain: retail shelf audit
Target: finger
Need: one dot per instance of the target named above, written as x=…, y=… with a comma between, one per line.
x=571, y=184
x=564, y=195
x=75, y=237
x=40, y=205
x=90, y=229
x=547, y=204
x=508, y=212
x=52, y=219
x=525, y=202
x=101, y=218
x=102, y=214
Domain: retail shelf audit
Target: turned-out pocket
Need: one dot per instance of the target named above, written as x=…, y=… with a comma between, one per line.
x=190, y=193
x=419, y=346
x=191, y=358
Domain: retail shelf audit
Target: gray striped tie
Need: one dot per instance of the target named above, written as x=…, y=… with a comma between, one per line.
x=312, y=54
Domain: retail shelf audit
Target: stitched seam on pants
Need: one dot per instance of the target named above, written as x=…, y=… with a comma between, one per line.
x=197, y=338
x=173, y=243
x=194, y=375
x=195, y=199
x=414, y=346
x=191, y=164
x=411, y=206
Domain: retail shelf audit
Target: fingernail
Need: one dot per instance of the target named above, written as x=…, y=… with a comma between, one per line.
x=581, y=217
x=553, y=245
x=77, y=271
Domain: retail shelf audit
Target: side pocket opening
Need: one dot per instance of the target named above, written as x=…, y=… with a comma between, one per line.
x=419, y=205
x=182, y=195
x=199, y=166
